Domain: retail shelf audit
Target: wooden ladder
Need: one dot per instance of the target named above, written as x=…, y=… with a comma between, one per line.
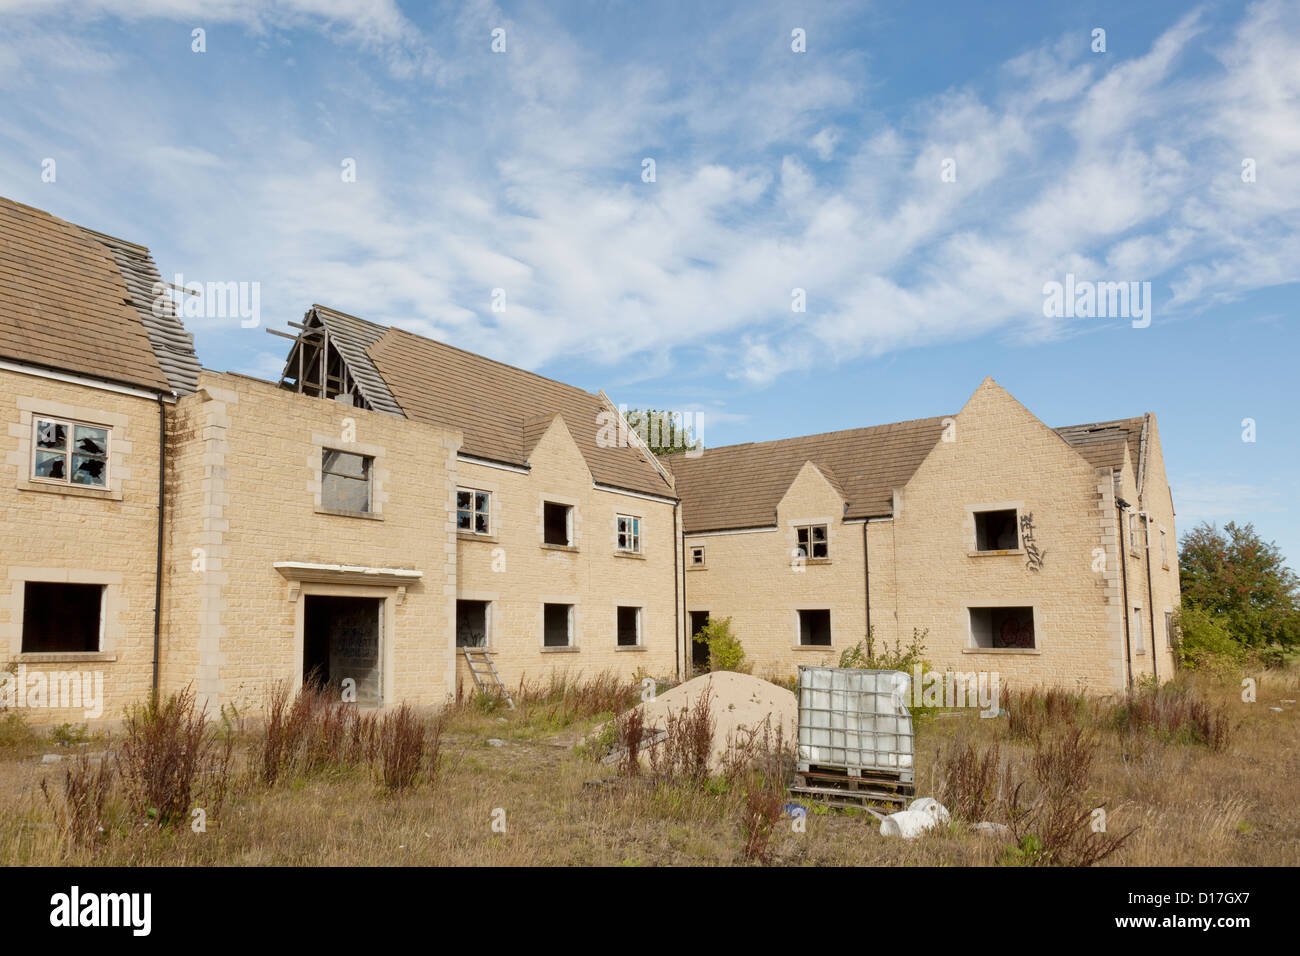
x=484, y=672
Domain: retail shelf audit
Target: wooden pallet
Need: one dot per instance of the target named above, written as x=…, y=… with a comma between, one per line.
x=837, y=786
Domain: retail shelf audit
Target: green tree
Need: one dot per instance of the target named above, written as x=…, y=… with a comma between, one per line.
x=661, y=431
x=1241, y=582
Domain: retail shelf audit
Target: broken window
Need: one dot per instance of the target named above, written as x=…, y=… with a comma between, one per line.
x=629, y=534
x=473, y=511
x=557, y=623
x=1002, y=627
x=62, y=618
x=471, y=623
x=1169, y=628
x=70, y=453
x=812, y=541
x=629, y=627
x=697, y=555
x=996, y=530
x=557, y=522
x=815, y=628
x=345, y=481
x=1164, y=548
x=1138, y=646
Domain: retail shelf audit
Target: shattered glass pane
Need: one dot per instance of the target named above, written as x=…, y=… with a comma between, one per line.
x=51, y=465
x=91, y=441
x=51, y=434
x=481, y=523
x=462, y=499
x=87, y=470
x=480, y=501
x=462, y=520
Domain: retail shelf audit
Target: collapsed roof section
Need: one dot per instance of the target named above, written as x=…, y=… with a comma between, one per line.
x=78, y=301
x=501, y=410
x=328, y=359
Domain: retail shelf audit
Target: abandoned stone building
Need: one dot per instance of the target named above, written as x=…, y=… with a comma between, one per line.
x=402, y=518
x=1045, y=555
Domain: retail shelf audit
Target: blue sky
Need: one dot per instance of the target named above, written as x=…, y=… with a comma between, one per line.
x=774, y=171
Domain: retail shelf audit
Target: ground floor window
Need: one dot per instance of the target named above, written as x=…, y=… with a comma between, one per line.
x=471, y=623
x=629, y=626
x=815, y=628
x=62, y=618
x=1002, y=627
x=557, y=625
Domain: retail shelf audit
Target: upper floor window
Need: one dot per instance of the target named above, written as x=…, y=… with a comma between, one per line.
x=557, y=523
x=812, y=541
x=70, y=453
x=996, y=530
x=345, y=481
x=1164, y=548
x=473, y=511
x=629, y=533
x=697, y=555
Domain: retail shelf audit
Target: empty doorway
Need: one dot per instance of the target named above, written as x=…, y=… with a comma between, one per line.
x=342, y=637
x=699, y=650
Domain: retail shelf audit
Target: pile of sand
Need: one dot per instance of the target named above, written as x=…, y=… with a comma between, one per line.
x=738, y=702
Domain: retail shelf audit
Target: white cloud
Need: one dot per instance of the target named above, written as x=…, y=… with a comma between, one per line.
x=523, y=171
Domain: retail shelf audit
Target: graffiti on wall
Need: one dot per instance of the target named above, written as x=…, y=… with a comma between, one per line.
x=1034, y=555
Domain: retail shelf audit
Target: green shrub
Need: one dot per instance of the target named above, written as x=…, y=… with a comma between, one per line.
x=1202, y=642
x=725, y=651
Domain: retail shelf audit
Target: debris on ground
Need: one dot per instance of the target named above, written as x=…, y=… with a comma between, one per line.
x=922, y=814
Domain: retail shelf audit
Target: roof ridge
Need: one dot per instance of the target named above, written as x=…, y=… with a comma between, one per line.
x=497, y=362
x=840, y=431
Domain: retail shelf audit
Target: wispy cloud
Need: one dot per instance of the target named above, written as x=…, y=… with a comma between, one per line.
x=522, y=172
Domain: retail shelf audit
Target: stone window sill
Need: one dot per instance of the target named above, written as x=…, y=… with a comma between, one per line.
x=572, y=548
x=697, y=567
x=341, y=513
x=630, y=554
x=474, y=536
x=629, y=647
x=995, y=554
x=559, y=650
x=1001, y=650
x=810, y=562
x=64, y=657
x=822, y=648
x=75, y=491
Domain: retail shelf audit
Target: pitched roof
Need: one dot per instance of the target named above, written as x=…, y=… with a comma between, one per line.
x=501, y=410
x=739, y=486
x=1102, y=443
x=65, y=305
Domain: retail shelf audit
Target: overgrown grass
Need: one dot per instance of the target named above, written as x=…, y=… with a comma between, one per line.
x=1173, y=802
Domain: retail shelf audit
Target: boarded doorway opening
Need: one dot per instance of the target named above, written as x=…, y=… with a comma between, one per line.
x=699, y=650
x=341, y=641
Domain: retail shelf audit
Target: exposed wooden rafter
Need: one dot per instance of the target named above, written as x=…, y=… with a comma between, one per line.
x=315, y=366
